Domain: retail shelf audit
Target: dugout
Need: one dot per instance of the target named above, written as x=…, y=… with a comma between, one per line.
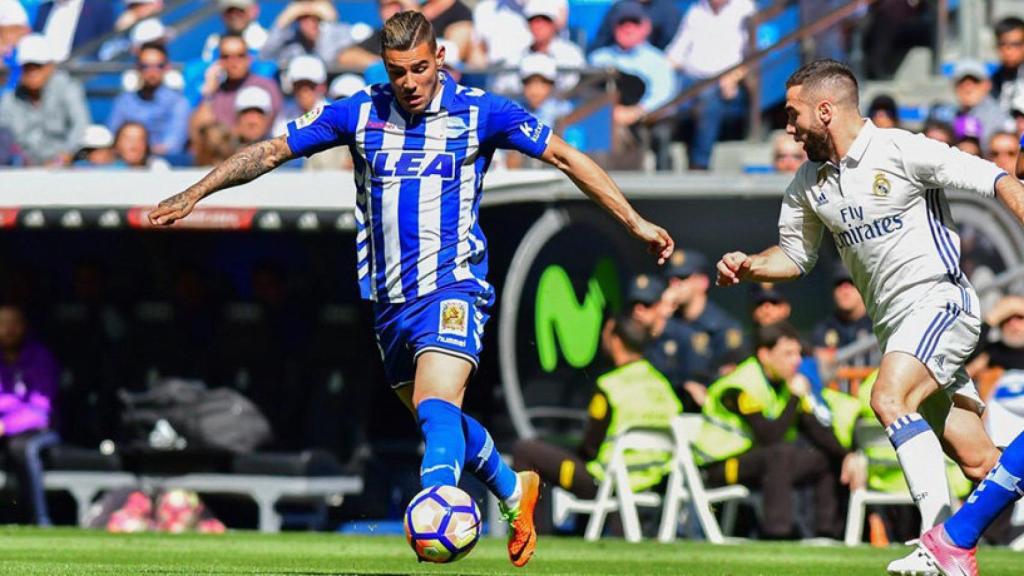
x=257, y=291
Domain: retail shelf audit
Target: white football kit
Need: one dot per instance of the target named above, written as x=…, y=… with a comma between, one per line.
x=886, y=209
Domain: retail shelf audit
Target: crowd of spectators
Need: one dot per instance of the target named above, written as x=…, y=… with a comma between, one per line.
x=657, y=48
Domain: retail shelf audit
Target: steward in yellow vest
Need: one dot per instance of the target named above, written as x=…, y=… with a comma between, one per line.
x=753, y=417
x=632, y=395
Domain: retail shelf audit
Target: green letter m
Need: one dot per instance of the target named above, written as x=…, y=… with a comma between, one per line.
x=560, y=318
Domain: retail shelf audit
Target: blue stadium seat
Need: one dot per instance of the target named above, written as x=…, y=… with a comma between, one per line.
x=593, y=134
x=586, y=16
x=778, y=66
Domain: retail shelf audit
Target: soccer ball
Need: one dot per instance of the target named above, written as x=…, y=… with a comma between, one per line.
x=442, y=524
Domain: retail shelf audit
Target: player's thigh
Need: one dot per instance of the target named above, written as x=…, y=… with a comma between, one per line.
x=441, y=375
x=925, y=352
x=903, y=384
x=446, y=337
x=967, y=443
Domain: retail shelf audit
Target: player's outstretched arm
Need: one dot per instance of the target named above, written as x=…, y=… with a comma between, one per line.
x=599, y=186
x=772, y=265
x=244, y=166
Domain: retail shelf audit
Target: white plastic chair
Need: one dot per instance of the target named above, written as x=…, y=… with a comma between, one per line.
x=686, y=487
x=859, y=501
x=868, y=434
x=614, y=494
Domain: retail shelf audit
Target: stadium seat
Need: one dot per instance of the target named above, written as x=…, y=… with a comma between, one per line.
x=685, y=486
x=860, y=499
x=614, y=494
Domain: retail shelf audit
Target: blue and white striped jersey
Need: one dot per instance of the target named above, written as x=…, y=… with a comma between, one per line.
x=418, y=180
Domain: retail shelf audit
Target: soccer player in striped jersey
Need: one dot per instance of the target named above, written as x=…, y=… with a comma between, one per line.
x=421, y=145
x=880, y=193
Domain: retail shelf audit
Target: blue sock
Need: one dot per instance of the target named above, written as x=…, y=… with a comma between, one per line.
x=484, y=461
x=441, y=424
x=1001, y=488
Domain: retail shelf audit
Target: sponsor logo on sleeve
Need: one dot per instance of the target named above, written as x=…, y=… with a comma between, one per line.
x=309, y=117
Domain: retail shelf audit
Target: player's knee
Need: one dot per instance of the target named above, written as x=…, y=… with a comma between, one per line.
x=888, y=403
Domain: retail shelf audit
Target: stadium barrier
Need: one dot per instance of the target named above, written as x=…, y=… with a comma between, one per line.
x=265, y=491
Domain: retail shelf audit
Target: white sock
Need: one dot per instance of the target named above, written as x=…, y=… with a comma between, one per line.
x=512, y=502
x=920, y=455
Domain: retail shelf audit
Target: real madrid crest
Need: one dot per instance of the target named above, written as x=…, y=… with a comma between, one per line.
x=881, y=187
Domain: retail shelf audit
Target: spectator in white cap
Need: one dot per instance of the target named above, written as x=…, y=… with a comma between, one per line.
x=97, y=148
x=973, y=91
x=345, y=85
x=239, y=17
x=307, y=27
x=544, y=18
x=13, y=26
x=148, y=31
x=161, y=109
x=538, y=74
x=136, y=11
x=306, y=80
x=253, y=115
x=47, y=113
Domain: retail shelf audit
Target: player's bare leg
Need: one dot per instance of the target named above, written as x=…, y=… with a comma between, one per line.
x=904, y=383
x=442, y=376
x=968, y=444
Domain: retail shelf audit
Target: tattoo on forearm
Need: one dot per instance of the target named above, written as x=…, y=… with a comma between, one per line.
x=244, y=166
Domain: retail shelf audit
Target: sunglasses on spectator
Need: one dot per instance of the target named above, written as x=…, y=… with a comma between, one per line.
x=234, y=56
x=793, y=155
x=145, y=66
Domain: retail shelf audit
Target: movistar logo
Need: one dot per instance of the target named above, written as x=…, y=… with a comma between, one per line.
x=563, y=322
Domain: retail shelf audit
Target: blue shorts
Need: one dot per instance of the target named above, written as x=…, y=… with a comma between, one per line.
x=449, y=320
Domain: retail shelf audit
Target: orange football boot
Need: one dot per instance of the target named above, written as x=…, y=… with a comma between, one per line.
x=522, y=538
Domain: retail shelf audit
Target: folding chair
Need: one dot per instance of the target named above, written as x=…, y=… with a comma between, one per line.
x=614, y=493
x=868, y=434
x=685, y=486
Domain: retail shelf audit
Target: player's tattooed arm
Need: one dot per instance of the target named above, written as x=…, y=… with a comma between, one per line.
x=244, y=166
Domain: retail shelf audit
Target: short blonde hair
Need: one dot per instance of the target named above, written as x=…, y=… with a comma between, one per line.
x=407, y=30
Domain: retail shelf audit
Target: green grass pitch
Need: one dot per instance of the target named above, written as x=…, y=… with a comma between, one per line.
x=25, y=551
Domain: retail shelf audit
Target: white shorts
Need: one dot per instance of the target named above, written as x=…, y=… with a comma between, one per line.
x=942, y=336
